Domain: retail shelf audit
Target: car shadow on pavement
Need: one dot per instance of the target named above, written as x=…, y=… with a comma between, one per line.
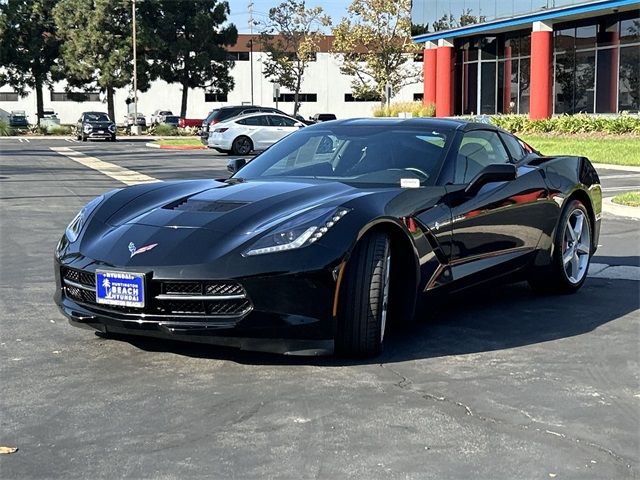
x=478, y=320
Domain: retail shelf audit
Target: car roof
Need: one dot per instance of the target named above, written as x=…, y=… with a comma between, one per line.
x=443, y=123
x=258, y=114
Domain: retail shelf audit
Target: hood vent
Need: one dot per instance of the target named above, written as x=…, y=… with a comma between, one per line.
x=208, y=206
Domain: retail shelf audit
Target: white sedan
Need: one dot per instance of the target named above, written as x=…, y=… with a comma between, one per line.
x=247, y=133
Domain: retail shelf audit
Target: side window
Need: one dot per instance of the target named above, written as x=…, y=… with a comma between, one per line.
x=281, y=121
x=478, y=149
x=514, y=146
x=258, y=120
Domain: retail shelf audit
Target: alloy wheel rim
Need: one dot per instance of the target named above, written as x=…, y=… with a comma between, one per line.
x=385, y=296
x=244, y=146
x=576, y=246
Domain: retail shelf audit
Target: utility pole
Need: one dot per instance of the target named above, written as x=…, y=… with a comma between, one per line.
x=135, y=127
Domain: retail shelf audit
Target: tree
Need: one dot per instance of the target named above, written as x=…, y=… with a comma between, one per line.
x=28, y=46
x=96, y=52
x=291, y=38
x=375, y=47
x=187, y=44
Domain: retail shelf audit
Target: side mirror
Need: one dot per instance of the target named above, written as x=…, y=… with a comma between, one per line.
x=236, y=164
x=299, y=124
x=497, y=172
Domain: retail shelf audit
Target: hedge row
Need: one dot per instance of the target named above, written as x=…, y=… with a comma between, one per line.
x=570, y=124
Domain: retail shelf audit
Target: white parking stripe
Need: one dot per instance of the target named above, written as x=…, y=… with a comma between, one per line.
x=616, y=272
x=627, y=175
x=621, y=189
x=122, y=174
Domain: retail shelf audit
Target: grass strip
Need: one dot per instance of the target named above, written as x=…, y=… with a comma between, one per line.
x=621, y=150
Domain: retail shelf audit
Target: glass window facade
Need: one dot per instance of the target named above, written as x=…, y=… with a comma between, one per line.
x=596, y=65
x=596, y=68
x=495, y=74
x=434, y=15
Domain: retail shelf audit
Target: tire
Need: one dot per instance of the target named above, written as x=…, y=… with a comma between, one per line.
x=83, y=138
x=113, y=138
x=364, y=294
x=242, y=146
x=78, y=137
x=572, y=250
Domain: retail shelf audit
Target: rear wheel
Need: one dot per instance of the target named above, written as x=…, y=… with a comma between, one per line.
x=571, y=253
x=364, y=298
x=242, y=146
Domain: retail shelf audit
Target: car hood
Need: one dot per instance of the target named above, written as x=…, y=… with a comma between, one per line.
x=246, y=206
x=199, y=226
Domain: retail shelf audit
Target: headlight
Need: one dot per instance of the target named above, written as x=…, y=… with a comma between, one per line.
x=112, y=128
x=303, y=230
x=87, y=128
x=74, y=228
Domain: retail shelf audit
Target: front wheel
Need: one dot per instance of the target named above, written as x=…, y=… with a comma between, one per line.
x=572, y=249
x=364, y=298
x=242, y=146
x=83, y=138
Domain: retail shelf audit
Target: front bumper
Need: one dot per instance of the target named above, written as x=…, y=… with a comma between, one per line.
x=97, y=134
x=290, y=313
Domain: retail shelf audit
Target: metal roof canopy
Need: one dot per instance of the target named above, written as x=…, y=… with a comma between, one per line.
x=573, y=12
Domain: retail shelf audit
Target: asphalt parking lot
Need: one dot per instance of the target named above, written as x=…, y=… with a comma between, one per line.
x=498, y=384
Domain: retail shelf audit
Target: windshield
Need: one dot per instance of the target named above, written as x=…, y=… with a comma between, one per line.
x=96, y=117
x=375, y=154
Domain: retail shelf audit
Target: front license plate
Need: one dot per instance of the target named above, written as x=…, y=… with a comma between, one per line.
x=100, y=131
x=120, y=288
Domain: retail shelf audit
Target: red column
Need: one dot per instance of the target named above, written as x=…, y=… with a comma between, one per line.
x=541, y=74
x=444, y=84
x=429, y=69
x=506, y=82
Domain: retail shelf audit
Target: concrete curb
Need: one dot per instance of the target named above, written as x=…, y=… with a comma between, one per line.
x=606, y=166
x=619, y=210
x=176, y=147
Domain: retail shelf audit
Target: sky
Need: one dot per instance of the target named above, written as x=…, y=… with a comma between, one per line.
x=336, y=9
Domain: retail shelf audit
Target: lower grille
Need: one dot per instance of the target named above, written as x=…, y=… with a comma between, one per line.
x=168, y=298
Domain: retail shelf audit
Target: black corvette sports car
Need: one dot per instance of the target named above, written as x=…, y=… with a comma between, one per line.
x=328, y=236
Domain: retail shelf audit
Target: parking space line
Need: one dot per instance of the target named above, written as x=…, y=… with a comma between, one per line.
x=621, y=189
x=122, y=174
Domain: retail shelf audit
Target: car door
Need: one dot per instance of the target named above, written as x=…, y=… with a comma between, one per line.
x=498, y=228
x=257, y=129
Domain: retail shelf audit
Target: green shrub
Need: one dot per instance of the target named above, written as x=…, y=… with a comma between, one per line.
x=570, y=124
x=60, y=130
x=5, y=129
x=164, y=130
x=416, y=109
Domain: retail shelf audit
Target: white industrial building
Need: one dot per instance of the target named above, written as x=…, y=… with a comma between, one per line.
x=324, y=90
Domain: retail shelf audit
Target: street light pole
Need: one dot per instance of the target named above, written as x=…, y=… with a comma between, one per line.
x=135, y=70
x=251, y=61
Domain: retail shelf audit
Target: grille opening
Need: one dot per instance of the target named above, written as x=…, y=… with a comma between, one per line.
x=211, y=206
x=154, y=305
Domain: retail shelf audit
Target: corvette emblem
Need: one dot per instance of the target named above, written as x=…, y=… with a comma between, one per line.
x=134, y=251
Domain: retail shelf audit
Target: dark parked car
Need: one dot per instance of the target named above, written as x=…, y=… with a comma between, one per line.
x=169, y=120
x=93, y=125
x=18, y=119
x=224, y=113
x=323, y=117
x=329, y=236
